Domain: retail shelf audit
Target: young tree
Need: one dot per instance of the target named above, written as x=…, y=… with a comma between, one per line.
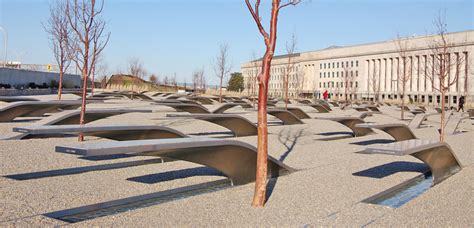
x=236, y=82
x=263, y=79
x=444, y=59
x=348, y=82
x=60, y=33
x=254, y=72
x=88, y=29
x=404, y=75
x=290, y=65
x=375, y=83
x=154, y=79
x=222, y=66
x=136, y=70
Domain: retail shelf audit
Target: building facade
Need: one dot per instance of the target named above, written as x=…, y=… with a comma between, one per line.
x=375, y=71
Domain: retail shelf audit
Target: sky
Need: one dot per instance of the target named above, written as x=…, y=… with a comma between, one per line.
x=180, y=36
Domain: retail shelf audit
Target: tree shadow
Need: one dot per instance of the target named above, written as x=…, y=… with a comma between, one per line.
x=176, y=174
x=388, y=169
x=288, y=141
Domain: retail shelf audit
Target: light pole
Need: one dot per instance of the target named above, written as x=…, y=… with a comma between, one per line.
x=5, y=38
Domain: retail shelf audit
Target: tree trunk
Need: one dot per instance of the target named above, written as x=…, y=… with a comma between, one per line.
x=403, y=103
x=286, y=92
x=60, y=86
x=442, y=124
x=220, y=90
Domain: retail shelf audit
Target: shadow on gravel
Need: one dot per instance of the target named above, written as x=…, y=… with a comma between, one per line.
x=388, y=169
x=176, y=174
x=373, y=141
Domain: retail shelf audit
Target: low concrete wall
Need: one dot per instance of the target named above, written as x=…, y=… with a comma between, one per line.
x=23, y=77
x=25, y=92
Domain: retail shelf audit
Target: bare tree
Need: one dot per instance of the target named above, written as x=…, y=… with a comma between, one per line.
x=444, y=58
x=88, y=29
x=290, y=65
x=166, y=81
x=299, y=81
x=136, y=70
x=154, y=79
x=222, y=66
x=252, y=81
x=404, y=75
x=199, y=80
x=270, y=43
x=60, y=33
x=348, y=82
x=374, y=83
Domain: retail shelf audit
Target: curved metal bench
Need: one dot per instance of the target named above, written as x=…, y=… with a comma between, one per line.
x=239, y=125
x=399, y=132
x=194, y=108
x=72, y=116
x=202, y=100
x=119, y=133
x=9, y=99
x=286, y=117
x=320, y=108
x=237, y=160
x=32, y=108
x=350, y=122
x=437, y=155
x=298, y=113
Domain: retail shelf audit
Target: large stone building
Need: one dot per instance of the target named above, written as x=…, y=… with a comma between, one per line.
x=373, y=71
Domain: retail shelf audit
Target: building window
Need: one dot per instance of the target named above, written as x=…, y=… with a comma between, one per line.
x=357, y=63
x=337, y=74
x=319, y=84
x=357, y=85
x=333, y=74
x=324, y=65
x=347, y=63
x=320, y=66
x=357, y=73
x=320, y=75
x=332, y=65
x=337, y=64
x=352, y=63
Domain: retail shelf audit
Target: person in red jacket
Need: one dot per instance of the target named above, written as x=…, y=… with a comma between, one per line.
x=325, y=95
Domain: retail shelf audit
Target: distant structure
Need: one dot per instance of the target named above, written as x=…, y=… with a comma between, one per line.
x=21, y=78
x=317, y=71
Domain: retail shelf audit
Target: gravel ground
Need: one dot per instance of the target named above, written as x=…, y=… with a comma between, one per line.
x=327, y=190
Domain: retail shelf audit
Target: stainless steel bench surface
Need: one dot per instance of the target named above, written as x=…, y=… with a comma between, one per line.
x=235, y=159
x=437, y=155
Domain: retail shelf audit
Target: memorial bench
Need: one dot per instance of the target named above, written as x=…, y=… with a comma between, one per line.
x=350, y=122
x=437, y=155
x=195, y=108
x=237, y=160
x=453, y=123
x=320, y=108
x=297, y=112
x=9, y=99
x=33, y=108
x=239, y=125
x=119, y=133
x=286, y=117
x=398, y=131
